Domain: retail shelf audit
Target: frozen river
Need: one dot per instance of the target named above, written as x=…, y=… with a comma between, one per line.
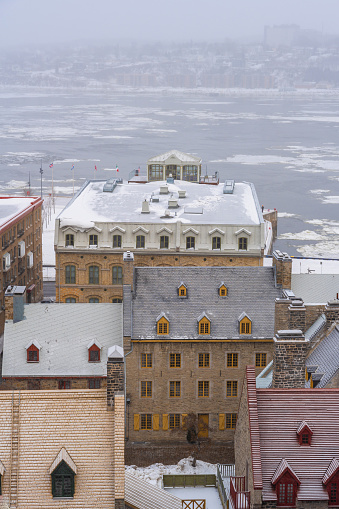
x=287, y=146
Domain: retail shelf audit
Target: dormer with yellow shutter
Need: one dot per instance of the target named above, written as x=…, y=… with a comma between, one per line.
x=204, y=324
x=222, y=290
x=245, y=324
x=182, y=290
x=162, y=325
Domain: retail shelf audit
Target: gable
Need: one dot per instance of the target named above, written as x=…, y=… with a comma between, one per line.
x=63, y=456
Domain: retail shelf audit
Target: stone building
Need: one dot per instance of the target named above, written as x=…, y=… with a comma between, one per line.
x=286, y=447
x=189, y=333
x=21, y=247
x=64, y=448
x=174, y=223
x=56, y=346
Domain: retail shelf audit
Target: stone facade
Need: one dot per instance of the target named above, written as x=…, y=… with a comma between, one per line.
x=47, y=384
x=283, y=266
x=289, y=356
x=300, y=316
x=332, y=312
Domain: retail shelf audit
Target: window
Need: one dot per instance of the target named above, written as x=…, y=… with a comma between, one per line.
x=155, y=172
x=182, y=291
x=232, y=360
x=175, y=360
x=242, y=244
x=222, y=291
x=117, y=275
x=216, y=243
x=190, y=242
x=63, y=481
x=70, y=300
x=70, y=274
x=204, y=360
x=203, y=389
x=146, y=389
x=245, y=326
x=231, y=388
x=174, y=170
x=231, y=420
x=93, y=300
x=260, y=360
x=146, y=421
x=304, y=433
x=146, y=360
x=93, y=275
x=69, y=240
x=93, y=240
x=140, y=241
x=64, y=384
x=204, y=326
x=286, y=489
x=163, y=326
x=94, y=383
x=174, y=421
x=94, y=354
x=117, y=301
x=332, y=487
x=32, y=354
x=116, y=241
x=175, y=389
x=164, y=242
x=190, y=173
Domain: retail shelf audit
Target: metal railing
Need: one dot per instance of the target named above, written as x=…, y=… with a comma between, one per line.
x=221, y=489
x=194, y=504
x=241, y=499
x=183, y=481
x=227, y=470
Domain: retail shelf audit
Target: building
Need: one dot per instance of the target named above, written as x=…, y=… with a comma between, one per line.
x=189, y=333
x=56, y=346
x=174, y=164
x=286, y=447
x=64, y=448
x=21, y=247
x=162, y=224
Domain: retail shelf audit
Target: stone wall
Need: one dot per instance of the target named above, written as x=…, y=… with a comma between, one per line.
x=283, y=266
x=289, y=357
x=288, y=316
x=115, y=378
x=13, y=383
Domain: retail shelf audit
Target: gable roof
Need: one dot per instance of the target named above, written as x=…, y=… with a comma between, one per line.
x=282, y=469
x=332, y=469
x=304, y=425
x=280, y=412
x=325, y=357
x=63, y=456
x=143, y=495
x=156, y=288
x=64, y=332
x=181, y=156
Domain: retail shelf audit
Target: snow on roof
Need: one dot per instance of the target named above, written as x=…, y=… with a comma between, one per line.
x=63, y=331
x=12, y=206
x=185, y=158
x=91, y=205
x=142, y=494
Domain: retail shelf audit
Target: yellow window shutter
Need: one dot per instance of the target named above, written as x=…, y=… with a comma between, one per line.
x=164, y=421
x=156, y=422
x=136, y=422
x=221, y=422
x=184, y=421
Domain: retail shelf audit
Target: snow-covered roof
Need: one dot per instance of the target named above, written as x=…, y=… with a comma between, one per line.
x=181, y=156
x=10, y=207
x=142, y=494
x=203, y=204
x=64, y=332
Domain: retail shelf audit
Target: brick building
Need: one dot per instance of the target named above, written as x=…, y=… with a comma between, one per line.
x=56, y=346
x=21, y=247
x=189, y=333
x=176, y=223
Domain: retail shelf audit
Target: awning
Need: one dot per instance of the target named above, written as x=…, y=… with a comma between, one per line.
x=30, y=288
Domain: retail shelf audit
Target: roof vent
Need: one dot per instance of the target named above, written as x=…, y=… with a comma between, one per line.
x=182, y=193
x=145, y=207
x=110, y=185
x=168, y=213
x=128, y=256
x=163, y=189
x=155, y=199
x=228, y=187
x=173, y=203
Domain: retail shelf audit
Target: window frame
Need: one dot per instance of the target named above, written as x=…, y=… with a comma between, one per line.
x=164, y=242
x=32, y=349
x=64, y=384
x=140, y=242
x=203, y=389
x=62, y=467
x=260, y=359
x=230, y=420
x=94, y=382
x=69, y=240
x=173, y=421
x=231, y=388
x=95, y=352
x=204, y=326
x=146, y=389
x=216, y=243
x=93, y=275
x=118, y=278
x=162, y=327
x=230, y=360
x=116, y=300
x=286, y=490
x=70, y=274
x=70, y=300
x=117, y=241
x=243, y=244
x=146, y=360
x=173, y=360
x=190, y=243
x=174, y=389
x=146, y=422
x=245, y=326
x=204, y=360
x=93, y=239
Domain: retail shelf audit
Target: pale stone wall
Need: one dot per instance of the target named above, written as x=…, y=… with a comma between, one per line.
x=49, y=383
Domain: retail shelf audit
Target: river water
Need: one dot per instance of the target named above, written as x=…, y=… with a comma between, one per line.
x=287, y=146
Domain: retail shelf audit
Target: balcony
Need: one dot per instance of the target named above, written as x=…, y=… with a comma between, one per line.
x=240, y=498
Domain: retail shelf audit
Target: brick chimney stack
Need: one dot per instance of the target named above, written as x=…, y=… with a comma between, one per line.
x=289, y=355
x=128, y=258
x=332, y=312
x=15, y=299
x=283, y=269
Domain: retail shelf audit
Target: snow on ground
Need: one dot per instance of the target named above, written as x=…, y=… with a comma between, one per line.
x=209, y=494
x=154, y=473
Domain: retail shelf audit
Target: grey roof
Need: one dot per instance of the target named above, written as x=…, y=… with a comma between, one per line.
x=142, y=494
x=315, y=328
x=249, y=289
x=315, y=288
x=264, y=379
x=64, y=332
x=326, y=357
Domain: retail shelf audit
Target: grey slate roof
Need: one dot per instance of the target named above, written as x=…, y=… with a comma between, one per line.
x=315, y=288
x=326, y=357
x=64, y=332
x=249, y=289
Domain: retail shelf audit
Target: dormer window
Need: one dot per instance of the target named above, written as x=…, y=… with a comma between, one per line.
x=286, y=484
x=69, y=240
x=93, y=240
x=2, y=471
x=182, y=290
x=33, y=351
x=245, y=324
x=304, y=434
x=222, y=290
x=63, y=471
x=204, y=325
x=94, y=351
x=331, y=482
x=162, y=325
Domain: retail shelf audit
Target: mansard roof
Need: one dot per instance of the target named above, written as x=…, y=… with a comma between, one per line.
x=248, y=288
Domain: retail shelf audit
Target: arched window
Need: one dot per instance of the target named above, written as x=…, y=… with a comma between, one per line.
x=164, y=242
x=93, y=275
x=70, y=275
x=70, y=300
x=69, y=239
x=63, y=481
x=242, y=244
x=140, y=241
x=116, y=300
x=116, y=241
x=117, y=277
x=93, y=300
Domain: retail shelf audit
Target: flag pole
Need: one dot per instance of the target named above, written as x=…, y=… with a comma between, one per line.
x=73, y=180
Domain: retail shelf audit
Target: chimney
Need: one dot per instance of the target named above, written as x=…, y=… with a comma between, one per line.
x=128, y=259
x=15, y=299
x=332, y=312
x=283, y=269
x=289, y=355
x=297, y=315
x=145, y=207
x=116, y=402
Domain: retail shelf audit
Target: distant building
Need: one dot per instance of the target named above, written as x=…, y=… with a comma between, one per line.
x=21, y=247
x=162, y=223
x=281, y=35
x=176, y=164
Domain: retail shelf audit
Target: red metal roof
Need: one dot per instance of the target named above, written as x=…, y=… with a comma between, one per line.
x=278, y=413
x=283, y=467
x=332, y=469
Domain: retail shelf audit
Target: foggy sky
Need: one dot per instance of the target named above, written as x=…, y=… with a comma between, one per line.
x=53, y=21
